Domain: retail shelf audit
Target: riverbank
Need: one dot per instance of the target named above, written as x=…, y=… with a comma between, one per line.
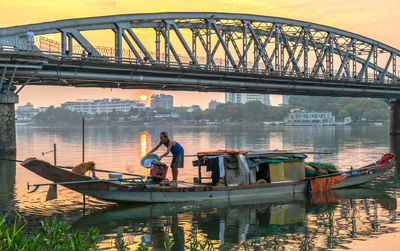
x=144, y=124
x=178, y=124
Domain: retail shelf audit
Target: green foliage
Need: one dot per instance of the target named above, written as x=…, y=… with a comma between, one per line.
x=198, y=245
x=274, y=113
x=356, y=108
x=54, y=235
x=253, y=111
x=120, y=243
x=168, y=243
x=57, y=115
x=143, y=248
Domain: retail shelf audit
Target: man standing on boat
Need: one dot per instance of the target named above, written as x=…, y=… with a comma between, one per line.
x=177, y=153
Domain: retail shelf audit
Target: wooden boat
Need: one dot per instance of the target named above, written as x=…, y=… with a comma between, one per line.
x=137, y=190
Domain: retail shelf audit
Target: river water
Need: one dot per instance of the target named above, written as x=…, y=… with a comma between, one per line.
x=320, y=221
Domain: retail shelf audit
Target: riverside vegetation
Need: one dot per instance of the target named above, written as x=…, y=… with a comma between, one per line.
x=53, y=235
x=359, y=109
x=57, y=235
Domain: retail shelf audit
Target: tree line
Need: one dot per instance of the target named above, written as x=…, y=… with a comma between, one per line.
x=254, y=111
x=357, y=108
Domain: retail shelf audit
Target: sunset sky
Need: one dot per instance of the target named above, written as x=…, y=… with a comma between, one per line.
x=378, y=20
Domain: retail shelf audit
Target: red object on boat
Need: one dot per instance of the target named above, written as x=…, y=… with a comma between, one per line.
x=158, y=170
x=326, y=183
x=385, y=158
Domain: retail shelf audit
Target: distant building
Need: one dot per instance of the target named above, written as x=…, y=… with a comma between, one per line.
x=161, y=101
x=193, y=108
x=103, y=106
x=243, y=98
x=285, y=99
x=213, y=104
x=166, y=116
x=42, y=109
x=26, y=113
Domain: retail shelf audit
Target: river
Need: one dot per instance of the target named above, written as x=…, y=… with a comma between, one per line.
x=320, y=221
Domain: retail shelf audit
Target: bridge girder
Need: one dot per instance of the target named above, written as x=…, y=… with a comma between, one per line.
x=247, y=44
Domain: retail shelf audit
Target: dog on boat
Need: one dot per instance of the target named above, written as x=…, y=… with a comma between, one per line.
x=82, y=168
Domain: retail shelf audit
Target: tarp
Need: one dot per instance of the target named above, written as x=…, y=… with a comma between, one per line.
x=323, y=165
x=325, y=183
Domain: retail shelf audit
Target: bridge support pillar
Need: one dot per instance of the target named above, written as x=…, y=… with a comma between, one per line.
x=7, y=122
x=395, y=129
x=395, y=117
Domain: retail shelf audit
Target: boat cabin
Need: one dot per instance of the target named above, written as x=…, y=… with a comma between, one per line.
x=235, y=168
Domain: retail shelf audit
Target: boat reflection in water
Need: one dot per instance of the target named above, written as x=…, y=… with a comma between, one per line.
x=318, y=220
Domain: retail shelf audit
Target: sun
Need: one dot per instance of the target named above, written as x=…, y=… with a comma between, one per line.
x=143, y=97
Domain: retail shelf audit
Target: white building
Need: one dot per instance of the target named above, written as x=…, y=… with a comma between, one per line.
x=103, y=106
x=25, y=113
x=243, y=98
x=161, y=101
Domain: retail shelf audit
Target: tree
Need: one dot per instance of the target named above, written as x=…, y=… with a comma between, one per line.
x=254, y=111
x=57, y=115
x=375, y=114
x=276, y=113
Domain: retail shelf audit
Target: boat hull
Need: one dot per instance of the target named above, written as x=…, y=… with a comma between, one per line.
x=180, y=195
x=147, y=193
x=357, y=180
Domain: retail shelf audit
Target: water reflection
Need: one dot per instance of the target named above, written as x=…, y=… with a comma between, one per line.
x=144, y=144
x=319, y=222
x=326, y=220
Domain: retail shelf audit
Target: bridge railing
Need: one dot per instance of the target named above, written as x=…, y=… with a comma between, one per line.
x=53, y=48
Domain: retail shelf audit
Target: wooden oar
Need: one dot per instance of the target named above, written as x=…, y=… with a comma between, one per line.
x=276, y=152
x=77, y=182
x=15, y=160
x=98, y=170
x=107, y=171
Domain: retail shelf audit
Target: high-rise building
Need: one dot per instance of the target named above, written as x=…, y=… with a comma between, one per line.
x=243, y=98
x=161, y=101
x=285, y=99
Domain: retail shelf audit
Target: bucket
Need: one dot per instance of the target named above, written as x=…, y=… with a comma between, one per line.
x=147, y=160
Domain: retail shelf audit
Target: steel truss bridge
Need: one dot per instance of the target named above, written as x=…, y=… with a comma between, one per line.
x=210, y=52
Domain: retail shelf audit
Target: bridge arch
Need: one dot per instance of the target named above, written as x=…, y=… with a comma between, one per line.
x=249, y=44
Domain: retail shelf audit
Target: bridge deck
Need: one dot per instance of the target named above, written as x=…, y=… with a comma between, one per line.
x=106, y=72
